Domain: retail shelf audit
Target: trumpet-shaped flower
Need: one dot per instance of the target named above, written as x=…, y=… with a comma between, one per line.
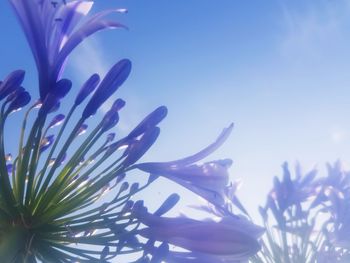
x=207, y=180
x=53, y=30
x=229, y=238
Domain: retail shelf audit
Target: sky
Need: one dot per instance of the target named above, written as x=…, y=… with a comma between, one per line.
x=278, y=69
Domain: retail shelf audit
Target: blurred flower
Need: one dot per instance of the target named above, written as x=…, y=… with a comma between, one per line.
x=337, y=178
x=334, y=196
x=290, y=232
x=229, y=239
x=289, y=192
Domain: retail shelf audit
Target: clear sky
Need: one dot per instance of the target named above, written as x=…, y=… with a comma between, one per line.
x=278, y=69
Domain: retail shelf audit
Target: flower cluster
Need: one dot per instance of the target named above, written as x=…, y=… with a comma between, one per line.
x=51, y=205
x=310, y=218
x=334, y=198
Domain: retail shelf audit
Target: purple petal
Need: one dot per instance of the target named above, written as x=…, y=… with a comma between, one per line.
x=28, y=13
x=222, y=238
x=69, y=16
x=79, y=35
x=207, y=180
x=203, y=153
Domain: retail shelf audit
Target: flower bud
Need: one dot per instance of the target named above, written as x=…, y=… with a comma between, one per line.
x=87, y=88
x=111, y=82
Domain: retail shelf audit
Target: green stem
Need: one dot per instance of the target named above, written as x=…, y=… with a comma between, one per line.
x=13, y=244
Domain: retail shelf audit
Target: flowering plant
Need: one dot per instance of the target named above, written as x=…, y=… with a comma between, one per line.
x=53, y=202
x=307, y=219
x=51, y=188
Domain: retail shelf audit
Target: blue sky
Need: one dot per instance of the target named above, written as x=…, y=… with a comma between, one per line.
x=277, y=69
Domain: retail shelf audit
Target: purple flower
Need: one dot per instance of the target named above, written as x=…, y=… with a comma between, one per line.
x=52, y=31
x=37, y=185
x=334, y=198
x=207, y=180
x=337, y=178
x=289, y=192
x=228, y=238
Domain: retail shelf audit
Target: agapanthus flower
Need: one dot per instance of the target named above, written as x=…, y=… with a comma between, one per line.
x=288, y=219
x=228, y=240
x=54, y=29
x=337, y=178
x=334, y=199
x=207, y=180
x=291, y=193
x=53, y=205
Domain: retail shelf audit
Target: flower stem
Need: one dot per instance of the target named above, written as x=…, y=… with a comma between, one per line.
x=13, y=244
